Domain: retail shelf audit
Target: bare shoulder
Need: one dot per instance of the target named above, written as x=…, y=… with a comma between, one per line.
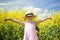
x=22, y=23
x=34, y=23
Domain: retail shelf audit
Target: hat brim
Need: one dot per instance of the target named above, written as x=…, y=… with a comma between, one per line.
x=31, y=15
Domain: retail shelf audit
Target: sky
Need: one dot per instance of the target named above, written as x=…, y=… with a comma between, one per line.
x=44, y=4
x=37, y=5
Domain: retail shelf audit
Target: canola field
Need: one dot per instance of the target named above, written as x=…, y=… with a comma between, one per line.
x=47, y=30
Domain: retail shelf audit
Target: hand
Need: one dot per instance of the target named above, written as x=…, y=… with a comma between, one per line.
x=7, y=19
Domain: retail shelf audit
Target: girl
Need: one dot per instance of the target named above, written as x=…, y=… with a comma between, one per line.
x=29, y=26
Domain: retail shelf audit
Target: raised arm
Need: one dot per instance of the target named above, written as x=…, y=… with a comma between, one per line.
x=42, y=20
x=19, y=22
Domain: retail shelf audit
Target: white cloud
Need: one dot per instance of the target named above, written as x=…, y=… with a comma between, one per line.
x=16, y=2
x=3, y=3
x=28, y=8
x=31, y=8
x=10, y=3
x=13, y=3
x=37, y=10
x=45, y=13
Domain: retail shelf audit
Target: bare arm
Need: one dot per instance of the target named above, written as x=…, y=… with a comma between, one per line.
x=42, y=20
x=19, y=22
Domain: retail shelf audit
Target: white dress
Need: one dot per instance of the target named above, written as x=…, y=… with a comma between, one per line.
x=30, y=31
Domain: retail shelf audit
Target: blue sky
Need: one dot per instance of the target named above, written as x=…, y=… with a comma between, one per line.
x=44, y=4
x=42, y=7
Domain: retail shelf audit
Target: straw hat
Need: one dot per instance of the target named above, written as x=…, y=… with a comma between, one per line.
x=29, y=13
